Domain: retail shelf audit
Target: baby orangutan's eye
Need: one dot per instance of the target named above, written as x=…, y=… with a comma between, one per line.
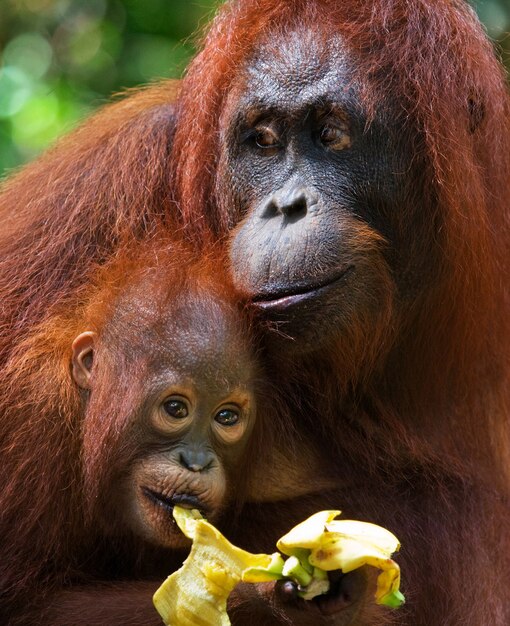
x=176, y=408
x=227, y=417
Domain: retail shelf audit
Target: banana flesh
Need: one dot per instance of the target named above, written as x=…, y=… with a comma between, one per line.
x=196, y=595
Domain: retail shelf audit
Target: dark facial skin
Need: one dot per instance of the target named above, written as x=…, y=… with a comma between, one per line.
x=191, y=420
x=321, y=191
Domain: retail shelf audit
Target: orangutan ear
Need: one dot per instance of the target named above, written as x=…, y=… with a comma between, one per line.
x=83, y=353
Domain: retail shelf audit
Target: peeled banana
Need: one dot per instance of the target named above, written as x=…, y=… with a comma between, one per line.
x=196, y=595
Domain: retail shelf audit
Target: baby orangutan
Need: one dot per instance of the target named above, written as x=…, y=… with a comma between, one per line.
x=172, y=374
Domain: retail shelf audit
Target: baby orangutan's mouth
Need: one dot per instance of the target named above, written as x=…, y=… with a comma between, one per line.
x=167, y=503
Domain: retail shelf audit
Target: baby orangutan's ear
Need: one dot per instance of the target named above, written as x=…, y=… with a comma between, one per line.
x=83, y=354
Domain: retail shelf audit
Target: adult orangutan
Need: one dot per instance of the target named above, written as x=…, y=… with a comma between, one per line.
x=362, y=150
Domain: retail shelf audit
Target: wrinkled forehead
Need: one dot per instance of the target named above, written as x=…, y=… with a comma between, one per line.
x=293, y=68
x=194, y=336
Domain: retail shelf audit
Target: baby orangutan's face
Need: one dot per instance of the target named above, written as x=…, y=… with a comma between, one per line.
x=189, y=411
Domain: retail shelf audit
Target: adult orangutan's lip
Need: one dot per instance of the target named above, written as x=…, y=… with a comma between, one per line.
x=185, y=500
x=281, y=300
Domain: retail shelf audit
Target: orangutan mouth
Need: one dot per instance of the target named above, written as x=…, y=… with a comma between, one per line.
x=167, y=503
x=280, y=300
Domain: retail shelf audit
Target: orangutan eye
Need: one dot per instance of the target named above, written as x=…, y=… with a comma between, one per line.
x=227, y=417
x=335, y=137
x=176, y=408
x=265, y=137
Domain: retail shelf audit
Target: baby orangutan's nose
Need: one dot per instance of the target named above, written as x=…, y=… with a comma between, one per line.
x=196, y=460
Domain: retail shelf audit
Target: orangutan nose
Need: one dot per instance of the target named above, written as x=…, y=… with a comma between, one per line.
x=196, y=460
x=292, y=202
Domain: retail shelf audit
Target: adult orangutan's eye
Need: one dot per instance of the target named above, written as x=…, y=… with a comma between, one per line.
x=335, y=137
x=227, y=417
x=175, y=407
x=265, y=137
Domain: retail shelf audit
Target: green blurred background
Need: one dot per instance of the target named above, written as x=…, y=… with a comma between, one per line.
x=60, y=59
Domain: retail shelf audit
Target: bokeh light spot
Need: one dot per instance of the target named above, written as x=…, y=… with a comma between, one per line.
x=36, y=123
x=29, y=52
x=14, y=90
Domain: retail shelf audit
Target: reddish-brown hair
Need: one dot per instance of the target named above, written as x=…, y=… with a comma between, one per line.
x=94, y=193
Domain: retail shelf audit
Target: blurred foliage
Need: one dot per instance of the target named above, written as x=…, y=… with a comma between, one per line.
x=60, y=59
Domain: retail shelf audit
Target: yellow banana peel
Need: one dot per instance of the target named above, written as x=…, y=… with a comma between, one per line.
x=196, y=595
